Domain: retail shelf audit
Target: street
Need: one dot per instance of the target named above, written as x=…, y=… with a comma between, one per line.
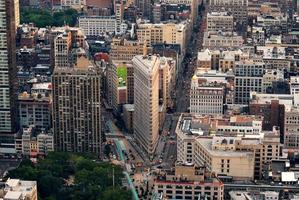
x=166, y=151
x=189, y=66
x=8, y=164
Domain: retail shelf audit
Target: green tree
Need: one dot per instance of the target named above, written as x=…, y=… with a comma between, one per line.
x=116, y=194
x=92, y=180
x=43, y=18
x=49, y=185
x=24, y=172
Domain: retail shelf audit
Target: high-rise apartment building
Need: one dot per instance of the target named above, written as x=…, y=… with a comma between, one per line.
x=8, y=82
x=146, y=101
x=248, y=77
x=76, y=108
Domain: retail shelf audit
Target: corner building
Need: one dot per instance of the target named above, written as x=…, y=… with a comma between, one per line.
x=146, y=101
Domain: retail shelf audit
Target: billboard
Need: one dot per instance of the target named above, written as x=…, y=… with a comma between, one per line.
x=122, y=76
x=122, y=84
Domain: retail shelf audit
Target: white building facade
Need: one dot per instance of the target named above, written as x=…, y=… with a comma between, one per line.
x=97, y=25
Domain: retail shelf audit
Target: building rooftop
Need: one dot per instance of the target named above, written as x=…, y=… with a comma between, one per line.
x=180, y=25
x=42, y=86
x=244, y=119
x=11, y=195
x=289, y=177
x=207, y=143
x=253, y=195
x=187, y=174
x=129, y=107
x=199, y=125
x=262, y=98
x=16, y=188
x=294, y=80
x=250, y=62
x=191, y=127
x=204, y=55
x=100, y=4
x=240, y=195
x=213, y=73
x=147, y=62
x=35, y=97
x=212, y=34
x=270, y=52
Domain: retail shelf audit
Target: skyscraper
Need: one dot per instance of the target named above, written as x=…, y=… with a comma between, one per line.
x=76, y=108
x=8, y=82
x=146, y=101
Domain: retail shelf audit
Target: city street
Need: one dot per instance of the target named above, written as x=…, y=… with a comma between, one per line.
x=166, y=151
x=188, y=68
x=182, y=97
x=8, y=164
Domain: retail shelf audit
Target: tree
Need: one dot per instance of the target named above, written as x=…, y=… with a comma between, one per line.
x=49, y=185
x=89, y=180
x=116, y=194
x=43, y=18
x=24, y=172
